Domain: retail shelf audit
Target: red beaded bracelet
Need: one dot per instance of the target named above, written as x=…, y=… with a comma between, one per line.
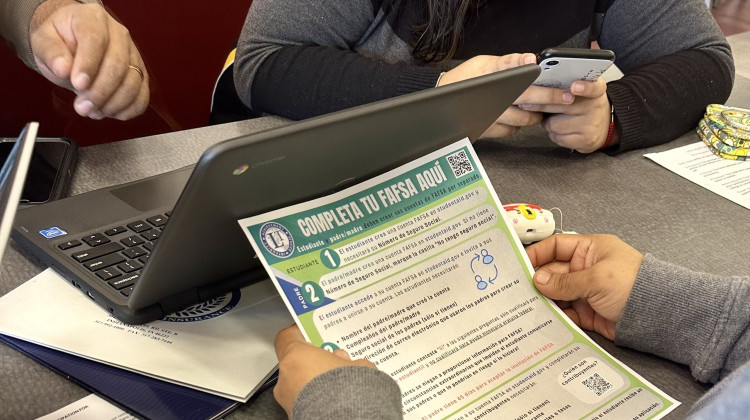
x=611, y=132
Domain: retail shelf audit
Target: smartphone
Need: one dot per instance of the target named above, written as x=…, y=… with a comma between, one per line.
x=50, y=170
x=563, y=66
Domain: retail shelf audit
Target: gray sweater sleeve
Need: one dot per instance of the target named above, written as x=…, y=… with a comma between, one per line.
x=698, y=319
x=675, y=60
x=351, y=392
x=689, y=317
x=15, y=20
x=320, y=56
x=301, y=59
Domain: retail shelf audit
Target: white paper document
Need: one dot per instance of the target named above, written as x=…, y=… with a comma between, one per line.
x=223, y=346
x=91, y=407
x=419, y=271
x=695, y=162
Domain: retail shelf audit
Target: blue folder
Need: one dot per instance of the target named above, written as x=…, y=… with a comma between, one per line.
x=137, y=394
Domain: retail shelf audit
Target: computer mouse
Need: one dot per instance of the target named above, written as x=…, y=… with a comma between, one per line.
x=531, y=222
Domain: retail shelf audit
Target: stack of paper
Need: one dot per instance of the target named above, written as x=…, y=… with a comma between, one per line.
x=696, y=163
x=227, y=352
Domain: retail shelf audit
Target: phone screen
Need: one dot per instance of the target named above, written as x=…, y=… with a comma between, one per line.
x=46, y=163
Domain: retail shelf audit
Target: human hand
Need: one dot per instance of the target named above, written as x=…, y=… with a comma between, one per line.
x=82, y=48
x=300, y=362
x=589, y=276
x=582, y=123
x=513, y=118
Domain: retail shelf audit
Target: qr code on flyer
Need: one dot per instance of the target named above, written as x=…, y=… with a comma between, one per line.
x=597, y=384
x=460, y=163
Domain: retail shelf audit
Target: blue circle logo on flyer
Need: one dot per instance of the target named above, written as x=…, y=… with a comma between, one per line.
x=52, y=232
x=277, y=239
x=207, y=310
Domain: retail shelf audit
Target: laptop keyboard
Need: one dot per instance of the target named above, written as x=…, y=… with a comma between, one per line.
x=117, y=255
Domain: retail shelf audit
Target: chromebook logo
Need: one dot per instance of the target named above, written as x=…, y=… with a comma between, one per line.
x=241, y=169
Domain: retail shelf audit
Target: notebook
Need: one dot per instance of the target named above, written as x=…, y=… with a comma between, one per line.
x=12, y=178
x=153, y=247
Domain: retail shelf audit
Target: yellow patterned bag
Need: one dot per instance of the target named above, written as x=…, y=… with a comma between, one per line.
x=726, y=131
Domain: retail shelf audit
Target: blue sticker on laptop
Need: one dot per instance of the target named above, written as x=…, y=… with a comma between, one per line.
x=52, y=232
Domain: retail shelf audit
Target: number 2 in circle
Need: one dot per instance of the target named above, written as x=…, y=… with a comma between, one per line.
x=313, y=293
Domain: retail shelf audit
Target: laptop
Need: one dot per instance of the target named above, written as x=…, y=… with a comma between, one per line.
x=12, y=178
x=149, y=248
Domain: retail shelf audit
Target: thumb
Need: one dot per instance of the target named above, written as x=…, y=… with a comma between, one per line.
x=560, y=286
x=342, y=354
x=52, y=52
x=286, y=339
x=513, y=60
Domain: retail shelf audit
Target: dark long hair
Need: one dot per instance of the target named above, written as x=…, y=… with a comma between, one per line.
x=438, y=38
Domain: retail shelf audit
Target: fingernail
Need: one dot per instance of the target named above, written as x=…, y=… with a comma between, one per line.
x=525, y=106
x=529, y=59
x=81, y=81
x=96, y=115
x=84, y=107
x=542, y=277
x=576, y=88
x=567, y=97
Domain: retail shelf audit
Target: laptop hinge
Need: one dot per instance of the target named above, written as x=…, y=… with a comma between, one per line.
x=236, y=282
x=201, y=294
x=176, y=302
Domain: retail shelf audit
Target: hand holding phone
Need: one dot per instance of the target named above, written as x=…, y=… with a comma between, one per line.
x=563, y=66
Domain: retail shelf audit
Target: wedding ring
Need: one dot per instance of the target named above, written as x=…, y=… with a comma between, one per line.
x=137, y=70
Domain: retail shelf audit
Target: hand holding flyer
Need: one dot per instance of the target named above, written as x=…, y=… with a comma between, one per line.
x=418, y=271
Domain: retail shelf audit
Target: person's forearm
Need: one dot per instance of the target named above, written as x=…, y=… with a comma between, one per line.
x=305, y=81
x=15, y=24
x=675, y=60
x=662, y=100
x=352, y=392
x=698, y=319
x=15, y=18
x=301, y=59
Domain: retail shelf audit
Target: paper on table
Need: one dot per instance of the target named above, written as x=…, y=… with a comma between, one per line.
x=419, y=271
x=91, y=407
x=224, y=348
x=695, y=162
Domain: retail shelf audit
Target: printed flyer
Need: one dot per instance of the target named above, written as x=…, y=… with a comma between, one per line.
x=419, y=271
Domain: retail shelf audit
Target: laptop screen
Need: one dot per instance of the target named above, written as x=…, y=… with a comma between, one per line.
x=12, y=177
